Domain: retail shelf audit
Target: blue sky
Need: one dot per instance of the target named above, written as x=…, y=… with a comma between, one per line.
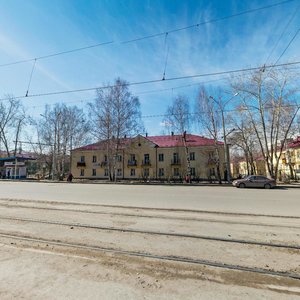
x=35, y=28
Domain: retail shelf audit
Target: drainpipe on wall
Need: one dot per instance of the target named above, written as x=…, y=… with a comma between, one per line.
x=155, y=162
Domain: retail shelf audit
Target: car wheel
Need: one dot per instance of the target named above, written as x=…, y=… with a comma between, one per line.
x=267, y=186
x=242, y=185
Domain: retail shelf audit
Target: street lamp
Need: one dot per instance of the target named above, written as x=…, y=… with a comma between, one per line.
x=226, y=150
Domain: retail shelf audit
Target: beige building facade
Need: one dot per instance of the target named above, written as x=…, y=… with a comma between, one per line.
x=239, y=167
x=152, y=158
x=288, y=166
x=289, y=163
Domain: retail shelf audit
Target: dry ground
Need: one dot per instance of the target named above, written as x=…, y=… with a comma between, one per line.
x=87, y=241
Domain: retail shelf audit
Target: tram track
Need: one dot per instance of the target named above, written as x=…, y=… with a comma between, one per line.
x=151, y=208
x=180, y=259
x=147, y=216
x=156, y=233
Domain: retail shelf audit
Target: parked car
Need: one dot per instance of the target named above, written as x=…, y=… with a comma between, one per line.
x=255, y=181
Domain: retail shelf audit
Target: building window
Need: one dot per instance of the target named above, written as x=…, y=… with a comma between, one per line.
x=176, y=171
x=119, y=157
x=81, y=172
x=132, y=157
x=146, y=172
x=160, y=157
x=175, y=158
x=161, y=172
x=132, y=172
x=192, y=155
x=94, y=158
x=146, y=159
x=193, y=172
x=119, y=172
x=105, y=172
x=82, y=159
x=94, y=172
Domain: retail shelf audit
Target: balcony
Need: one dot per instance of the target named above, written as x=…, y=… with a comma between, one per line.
x=103, y=164
x=131, y=163
x=96, y=165
x=175, y=162
x=81, y=164
x=212, y=161
x=146, y=163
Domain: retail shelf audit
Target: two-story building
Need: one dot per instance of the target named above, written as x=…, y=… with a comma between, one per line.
x=289, y=163
x=152, y=157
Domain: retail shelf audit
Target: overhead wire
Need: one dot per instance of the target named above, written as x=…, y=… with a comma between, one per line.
x=147, y=36
x=155, y=80
x=140, y=93
x=224, y=110
x=208, y=22
x=30, y=78
x=167, y=55
x=288, y=45
x=283, y=32
x=55, y=54
x=218, y=110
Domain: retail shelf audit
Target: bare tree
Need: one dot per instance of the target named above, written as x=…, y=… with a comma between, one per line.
x=178, y=115
x=60, y=128
x=269, y=98
x=178, y=119
x=12, y=121
x=208, y=115
x=243, y=139
x=115, y=114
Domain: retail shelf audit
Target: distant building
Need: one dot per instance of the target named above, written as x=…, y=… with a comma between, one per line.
x=15, y=167
x=288, y=167
x=289, y=163
x=151, y=157
x=239, y=167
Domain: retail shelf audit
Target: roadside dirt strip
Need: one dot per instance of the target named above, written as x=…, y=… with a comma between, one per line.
x=168, y=246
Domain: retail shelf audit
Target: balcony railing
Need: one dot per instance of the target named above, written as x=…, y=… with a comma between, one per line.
x=211, y=161
x=81, y=164
x=146, y=162
x=175, y=161
x=103, y=164
x=132, y=163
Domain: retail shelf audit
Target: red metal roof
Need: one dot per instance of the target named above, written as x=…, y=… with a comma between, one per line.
x=192, y=140
x=102, y=145
x=295, y=143
x=163, y=141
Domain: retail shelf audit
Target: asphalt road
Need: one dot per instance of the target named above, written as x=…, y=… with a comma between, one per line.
x=280, y=201
x=55, y=243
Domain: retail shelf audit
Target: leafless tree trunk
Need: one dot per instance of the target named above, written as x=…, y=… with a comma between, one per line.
x=12, y=119
x=268, y=99
x=178, y=118
x=243, y=138
x=209, y=117
x=61, y=128
x=178, y=115
x=114, y=114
